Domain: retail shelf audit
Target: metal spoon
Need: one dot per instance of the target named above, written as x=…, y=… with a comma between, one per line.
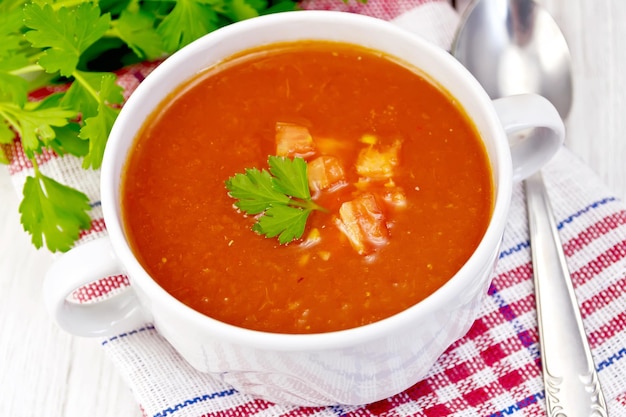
x=511, y=47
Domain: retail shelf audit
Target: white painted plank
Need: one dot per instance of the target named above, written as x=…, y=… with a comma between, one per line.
x=43, y=370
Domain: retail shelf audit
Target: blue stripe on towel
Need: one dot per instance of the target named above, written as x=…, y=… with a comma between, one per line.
x=526, y=244
x=196, y=400
x=126, y=334
x=520, y=405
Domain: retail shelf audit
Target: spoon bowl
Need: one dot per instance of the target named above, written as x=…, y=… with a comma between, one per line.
x=514, y=47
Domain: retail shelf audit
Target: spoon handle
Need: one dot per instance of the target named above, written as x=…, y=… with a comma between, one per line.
x=572, y=388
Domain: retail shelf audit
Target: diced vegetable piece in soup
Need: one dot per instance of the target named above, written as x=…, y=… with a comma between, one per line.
x=394, y=195
x=364, y=223
x=293, y=140
x=325, y=172
x=376, y=163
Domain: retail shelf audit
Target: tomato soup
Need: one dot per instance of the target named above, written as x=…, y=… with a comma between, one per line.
x=397, y=166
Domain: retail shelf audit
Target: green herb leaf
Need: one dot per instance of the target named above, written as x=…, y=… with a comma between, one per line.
x=97, y=128
x=137, y=30
x=66, y=33
x=13, y=88
x=255, y=191
x=53, y=213
x=188, y=20
x=281, y=197
x=95, y=94
x=243, y=9
x=12, y=57
x=286, y=222
x=12, y=51
x=83, y=93
x=280, y=6
x=6, y=134
x=34, y=122
x=6, y=137
x=290, y=176
x=68, y=142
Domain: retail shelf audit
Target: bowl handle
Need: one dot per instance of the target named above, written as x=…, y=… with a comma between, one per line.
x=535, y=131
x=80, y=266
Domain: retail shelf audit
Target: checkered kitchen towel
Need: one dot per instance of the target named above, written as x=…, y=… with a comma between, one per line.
x=494, y=370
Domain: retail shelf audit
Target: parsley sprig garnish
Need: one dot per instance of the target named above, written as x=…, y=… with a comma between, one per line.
x=81, y=42
x=57, y=209
x=280, y=197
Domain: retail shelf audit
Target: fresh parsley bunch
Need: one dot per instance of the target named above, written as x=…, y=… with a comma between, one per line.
x=81, y=42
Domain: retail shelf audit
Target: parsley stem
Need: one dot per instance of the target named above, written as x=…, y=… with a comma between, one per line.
x=66, y=3
x=27, y=69
x=307, y=204
x=78, y=77
x=8, y=115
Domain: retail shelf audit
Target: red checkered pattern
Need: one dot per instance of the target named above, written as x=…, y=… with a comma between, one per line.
x=494, y=370
x=105, y=287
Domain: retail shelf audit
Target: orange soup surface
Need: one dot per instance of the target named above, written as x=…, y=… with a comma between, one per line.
x=399, y=168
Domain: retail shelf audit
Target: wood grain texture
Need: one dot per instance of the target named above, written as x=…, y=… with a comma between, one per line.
x=596, y=127
x=44, y=371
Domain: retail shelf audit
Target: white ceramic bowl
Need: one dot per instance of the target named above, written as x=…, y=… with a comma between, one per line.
x=355, y=366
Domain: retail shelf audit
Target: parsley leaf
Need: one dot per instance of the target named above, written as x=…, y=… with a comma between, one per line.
x=255, y=191
x=283, y=221
x=66, y=33
x=13, y=54
x=97, y=127
x=242, y=9
x=15, y=88
x=188, y=20
x=281, y=197
x=137, y=30
x=290, y=177
x=34, y=122
x=68, y=142
x=53, y=213
x=96, y=130
x=6, y=137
